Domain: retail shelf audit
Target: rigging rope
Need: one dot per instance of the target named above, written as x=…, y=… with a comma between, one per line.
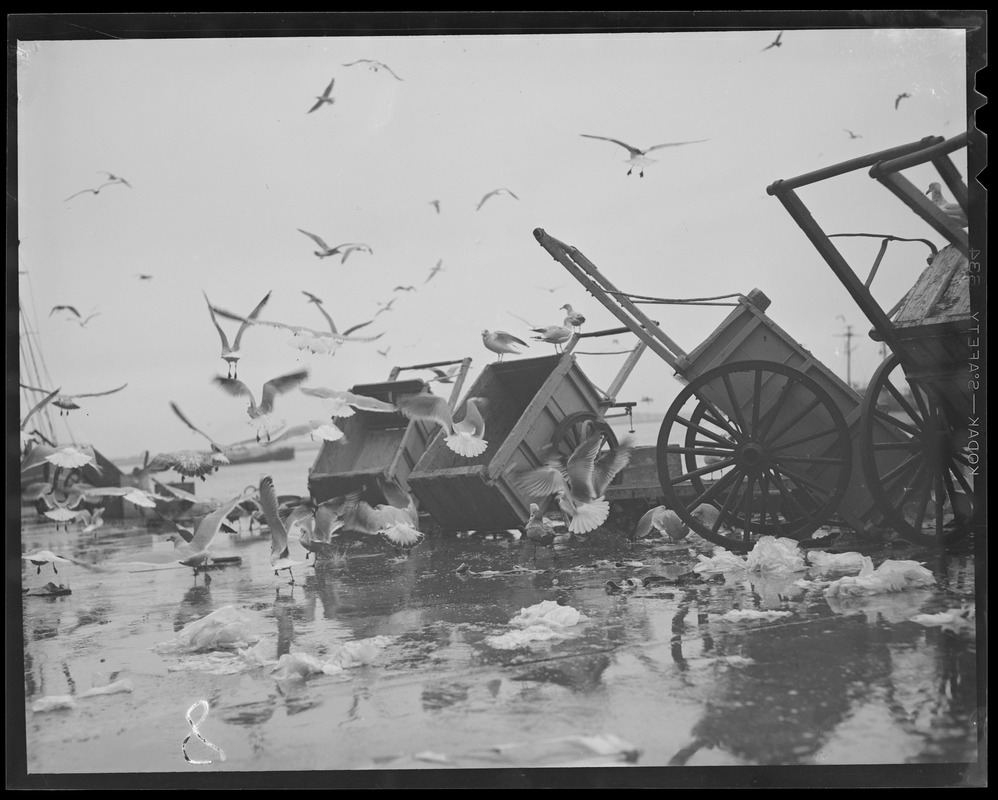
x=692, y=301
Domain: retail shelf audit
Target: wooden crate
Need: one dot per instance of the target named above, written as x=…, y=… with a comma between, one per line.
x=375, y=445
x=526, y=401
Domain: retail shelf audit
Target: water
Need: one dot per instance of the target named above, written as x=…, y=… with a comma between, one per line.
x=664, y=669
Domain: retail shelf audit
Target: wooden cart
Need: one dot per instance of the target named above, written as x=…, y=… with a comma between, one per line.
x=378, y=446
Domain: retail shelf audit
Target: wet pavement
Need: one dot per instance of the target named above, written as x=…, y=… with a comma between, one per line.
x=664, y=667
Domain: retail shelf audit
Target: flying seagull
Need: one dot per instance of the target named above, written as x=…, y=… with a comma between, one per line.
x=316, y=429
x=305, y=338
x=332, y=325
x=852, y=135
x=279, y=555
x=67, y=402
x=325, y=97
x=492, y=194
x=501, y=342
x=374, y=66
x=79, y=317
x=899, y=98
x=230, y=353
x=342, y=404
x=261, y=415
x=343, y=250
x=775, y=43
x=464, y=437
x=436, y=205
x=112, y=179
x=639, y=158
x=438, y=268
x=397, y=521
x=578, y=482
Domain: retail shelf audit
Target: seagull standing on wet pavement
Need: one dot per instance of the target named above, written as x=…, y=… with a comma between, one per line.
x=279, y=556
x=230, y=353
x=538, y=531
x=261, y=415
x=343, y=250
x=493, y=193
x=501, y=342
x=464, y=437
x=554, y=334
x=578, y=482
x=951, y=210
x=573, y=317
x=343, y=404
x=324, y=98
x=639, y=158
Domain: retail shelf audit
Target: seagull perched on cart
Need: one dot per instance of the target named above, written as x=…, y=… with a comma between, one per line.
x=952, y=210
x=501, y=342
x=557, y=335
x=638, y=157
x=465, y=436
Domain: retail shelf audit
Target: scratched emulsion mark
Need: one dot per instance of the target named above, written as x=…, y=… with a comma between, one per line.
x=195, y=732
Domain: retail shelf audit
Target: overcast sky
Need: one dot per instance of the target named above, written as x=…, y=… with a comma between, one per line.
x=225, y=165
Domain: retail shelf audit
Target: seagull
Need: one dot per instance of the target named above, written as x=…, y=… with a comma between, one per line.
x=231, y=353
x=663, y=520
x=404, y=289
x=113, y=180
x=66, y=457
x=374, y=66
x=554, y=334
x=260, y=415
x=342, y=404
x=852, y=135
x=305, y=338
x=382, y=307
x=193, y=549
x=217, y=451
x=951, y=210
x=397, y=521
x=899, y=98
x=80, y=319
x=444, y=377
x=188, y=463
x=578, y=482
x=547, y=289
x=466, y=437
x=61, y=507
x=639, y=158
x=385, y=351
x=28, y=438
x=343, y=250
x=42, y=557
x=434, y=271
x=320, y=522
x=279, y=556
x=332, y=325
x=775, y=43
x=573, y=317
x=143, y=276
x=67, y=402
x=538, y=531
x=436, y=205
x=92, y=520
x=325, y=97
x=492, y=193
x=315, y=428
x=501, y=342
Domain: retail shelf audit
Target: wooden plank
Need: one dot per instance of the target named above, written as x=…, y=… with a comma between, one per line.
x=941, y=293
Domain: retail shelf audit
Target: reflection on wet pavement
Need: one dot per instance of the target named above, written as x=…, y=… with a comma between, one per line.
x=656, y=672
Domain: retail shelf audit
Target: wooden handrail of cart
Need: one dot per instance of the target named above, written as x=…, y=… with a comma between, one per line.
x=883, y=166
x=458, y=378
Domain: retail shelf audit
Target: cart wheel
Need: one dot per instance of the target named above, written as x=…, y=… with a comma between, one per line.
x=568, y=435
x=915, y=460
x=763, y=443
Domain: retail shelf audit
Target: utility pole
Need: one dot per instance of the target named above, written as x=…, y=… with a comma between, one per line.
x=848, y=336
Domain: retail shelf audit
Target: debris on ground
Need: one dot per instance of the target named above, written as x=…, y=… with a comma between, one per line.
x=53, y=703
x=770, y=554
x=845, y=562
x=112, y=688
x=890, y=576
x=227, y=628
x=953, y=619
x=544, y=621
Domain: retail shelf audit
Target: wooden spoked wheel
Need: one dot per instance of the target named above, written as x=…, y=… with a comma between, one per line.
x=915, y=459
x=763, y=444
x=571, y=431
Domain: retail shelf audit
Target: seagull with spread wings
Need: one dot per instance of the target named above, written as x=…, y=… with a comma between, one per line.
x=638, y=157
x=374, y=66
x=501, y=342
x=493, y=193
x=67, y=402
x=230, y=353
x=578, y=482
x=438, y=268
x=280, y=558
x=324, y=98
x=775, y=43
x=396, y=521
x=305, y=338
x=899, y=98
x=218, y=455
x=332, y=325
x=343, y=403
x=111, y=180
x=261, y=416
x=343, y=250
x=76, y=317
x=466, y=436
